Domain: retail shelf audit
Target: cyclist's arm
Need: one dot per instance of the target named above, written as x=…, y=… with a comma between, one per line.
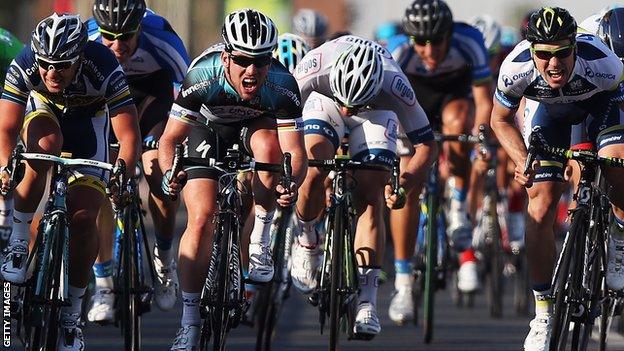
x=175, y=133
x=483, y=104
x=419, y=165
x=292, y=141
x=503, y=125
x=125, y=124
x=10, y=126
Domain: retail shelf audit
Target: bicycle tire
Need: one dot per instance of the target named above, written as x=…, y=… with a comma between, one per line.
x=130, y=316
x=220, y=308
x=431, y=260
x=495, y=272
x=43, y=335
x=336, y=278
x=270, y=299
x=564, y=280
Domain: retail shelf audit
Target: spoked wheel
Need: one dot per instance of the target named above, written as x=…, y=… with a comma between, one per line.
x=431, y=260
x=495, y=274
x=335, y=296
x=130, y=305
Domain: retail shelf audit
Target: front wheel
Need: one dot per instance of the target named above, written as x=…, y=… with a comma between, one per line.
x=431, y=261
x=128, y=289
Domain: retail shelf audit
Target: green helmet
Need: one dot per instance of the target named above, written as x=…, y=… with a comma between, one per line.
x=10, y=46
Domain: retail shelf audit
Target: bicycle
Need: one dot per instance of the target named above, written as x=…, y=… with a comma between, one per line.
x=132, y=291
x=578, y=286
x=39, y=300
x=337, y=292
x=222, y=301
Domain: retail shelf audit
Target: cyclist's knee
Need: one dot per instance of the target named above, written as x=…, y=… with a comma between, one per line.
x=83, y=221
x=542, y=206
x=200, y=223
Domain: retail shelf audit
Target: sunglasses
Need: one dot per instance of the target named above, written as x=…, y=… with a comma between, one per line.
x=117, y=36
x=58, y=66
x=561, y=52
x=432, y=41
x=245, y=61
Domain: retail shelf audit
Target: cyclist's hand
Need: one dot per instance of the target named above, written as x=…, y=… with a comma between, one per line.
x=482, y=157
x=172, y=186
x=526, y=180
x=286, y=197
x=395, y=201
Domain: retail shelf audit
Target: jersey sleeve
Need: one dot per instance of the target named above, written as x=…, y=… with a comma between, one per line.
x=17, y=84
x=288, y=110
x=398, y=96
x=515, y=74
x=188, y=103
x=168, y=45
x=470, y=43
x=117, y=91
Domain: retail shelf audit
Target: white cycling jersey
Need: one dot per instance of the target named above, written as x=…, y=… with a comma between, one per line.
x=396, y=95
x=596, y=69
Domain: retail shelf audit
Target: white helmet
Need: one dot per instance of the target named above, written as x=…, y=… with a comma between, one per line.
x=59, y=37
x=357, y=75
x=491, y=31
x=249, y=31
x=309, y=23
x=290, y=50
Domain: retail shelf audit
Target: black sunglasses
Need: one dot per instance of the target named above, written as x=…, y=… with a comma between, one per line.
x=432, y=41
x=561, y=53
x=56, y=65
x=117, y=36
x=245, y=61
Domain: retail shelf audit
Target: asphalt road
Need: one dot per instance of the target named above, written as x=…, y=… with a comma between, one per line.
x=455, y=328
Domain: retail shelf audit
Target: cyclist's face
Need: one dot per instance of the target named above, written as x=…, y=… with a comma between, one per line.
x=57, y=80
x=432, y=53
x=123, y=47
x=246, y=74
x=554, y=61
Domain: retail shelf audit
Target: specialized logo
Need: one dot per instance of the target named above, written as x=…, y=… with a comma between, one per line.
x=403, y=90
x=203, y=148
x=310, y=65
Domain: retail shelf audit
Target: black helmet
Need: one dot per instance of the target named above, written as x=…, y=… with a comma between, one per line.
x=428, y=19
x=119, y=16
x=611, y=30
x=550, y=24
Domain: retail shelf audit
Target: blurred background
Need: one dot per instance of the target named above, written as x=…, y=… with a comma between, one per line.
x=198, y=21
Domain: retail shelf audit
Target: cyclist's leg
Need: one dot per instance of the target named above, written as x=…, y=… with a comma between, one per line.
x=153, y=114
x=323, y=131
x=41, y=133
x=372, y=139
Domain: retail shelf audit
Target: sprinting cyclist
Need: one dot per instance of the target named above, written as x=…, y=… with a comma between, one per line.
x=155, y=60
x=569, y=81
x=311, y=25
x=64, y=93
x=353, y=85
x=448, y=67
x=232, y=92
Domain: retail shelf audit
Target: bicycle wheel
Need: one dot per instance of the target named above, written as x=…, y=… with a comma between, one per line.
x=335, y=296
x=271, y=296
x=431, y=260
x=130, y=317
x=220, y=311
x=495, y=260
x=44, y=306
x=566, y=280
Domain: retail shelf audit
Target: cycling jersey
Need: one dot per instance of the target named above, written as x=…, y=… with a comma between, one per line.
x=10, y=46
x=596, y=69
x=396, y=95
x=99, y=81
x=590, y=24
x=207, y=96
x=467, y=59
x=159, y=48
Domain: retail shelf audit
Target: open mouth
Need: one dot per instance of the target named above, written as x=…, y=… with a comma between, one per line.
x=250, y=84
x=555, y=74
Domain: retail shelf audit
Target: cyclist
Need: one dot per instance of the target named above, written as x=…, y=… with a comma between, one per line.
x=311, y=25
x=567, y=79
x=353, y=85
x=447, y=64
x=62, y=92
x=10, y=46
x=611, y=30
x=155, y=60
x=290, y=50
x=233, y=91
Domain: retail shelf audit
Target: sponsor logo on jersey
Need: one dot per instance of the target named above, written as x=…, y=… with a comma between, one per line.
x=310, y=65
x=241, y=112
x=507, y=81
x=94, y=69
x=313, y=104
x=283, y=91
x=195, y=87
x=403, y=90
x=610, y=139
x=392, y=130
x=521, y=75
x=589, y=73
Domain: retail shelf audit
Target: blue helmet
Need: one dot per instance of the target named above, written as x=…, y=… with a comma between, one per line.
x=290, y=50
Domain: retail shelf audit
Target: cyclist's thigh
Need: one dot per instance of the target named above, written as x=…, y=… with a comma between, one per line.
x=323, y=126
x=260, y=137
x=457, y=115
x=85, y=193
x=555, y=123
x=41, y=131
